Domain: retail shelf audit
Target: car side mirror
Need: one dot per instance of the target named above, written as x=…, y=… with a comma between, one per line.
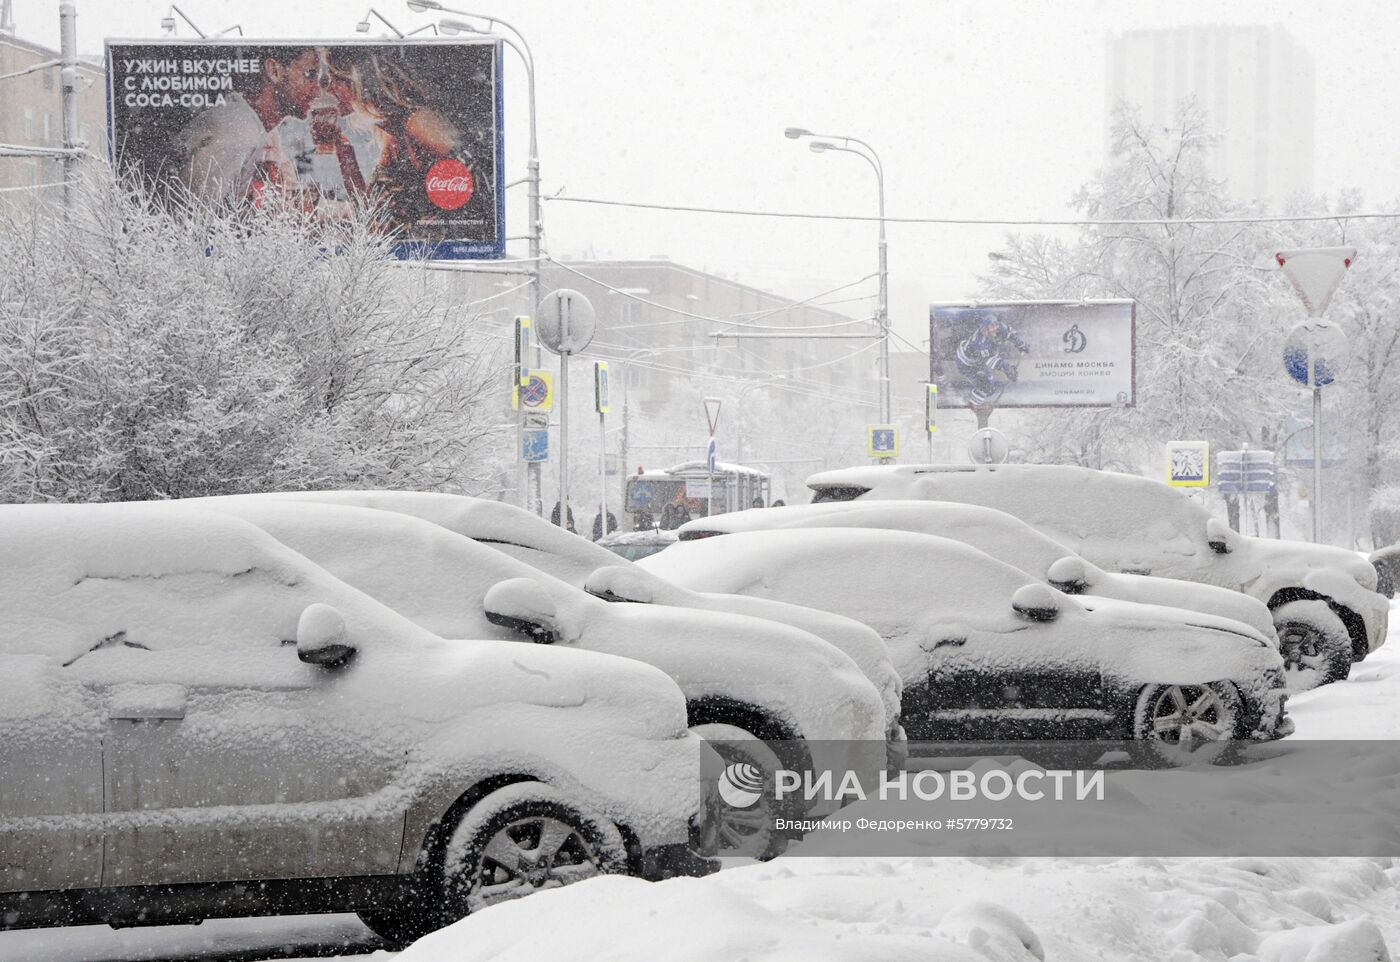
x=523, y=605
x=322, y=638
x=1036, y=602
x=1219, y=536
x=619, y=583
x=1069, y=574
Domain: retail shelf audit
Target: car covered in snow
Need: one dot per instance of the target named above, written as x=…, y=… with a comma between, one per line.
x=989, y=653
x=745, y=679
x=1004, y=538
x=545, y=547
x=636, y=545
x=1324, y=602
x=199, y=722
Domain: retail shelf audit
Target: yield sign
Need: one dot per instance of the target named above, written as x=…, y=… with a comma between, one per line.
x=1315, y=273
x=712, y=413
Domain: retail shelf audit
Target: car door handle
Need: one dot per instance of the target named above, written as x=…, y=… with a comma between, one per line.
x=147, y=702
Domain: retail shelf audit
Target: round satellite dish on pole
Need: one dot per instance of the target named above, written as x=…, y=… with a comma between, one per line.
x=1320, y=343
x=566, y=323
x=989, y=446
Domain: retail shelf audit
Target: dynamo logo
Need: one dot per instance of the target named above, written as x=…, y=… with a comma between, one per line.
x=741, y=784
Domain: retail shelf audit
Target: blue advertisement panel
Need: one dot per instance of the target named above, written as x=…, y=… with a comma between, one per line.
x=411, y=128
x=1034, y=354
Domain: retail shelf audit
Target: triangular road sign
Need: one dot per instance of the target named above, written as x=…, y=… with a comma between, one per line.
x=1315, y=273
x=712, y=413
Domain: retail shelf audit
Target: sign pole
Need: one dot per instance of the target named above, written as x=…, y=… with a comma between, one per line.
x=602, y=400
x=1317, y=457
x=564, y=431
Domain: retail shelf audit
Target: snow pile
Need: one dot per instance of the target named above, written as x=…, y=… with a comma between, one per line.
x=954, y=910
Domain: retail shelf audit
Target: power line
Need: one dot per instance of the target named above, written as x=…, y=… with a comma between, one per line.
x=984, y=221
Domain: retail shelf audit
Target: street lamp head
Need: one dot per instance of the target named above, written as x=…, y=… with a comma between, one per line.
x=362, y=26
x=419, y=6
x=792, y=133
x=817, y=146
x=454, y=27
x=167, y=23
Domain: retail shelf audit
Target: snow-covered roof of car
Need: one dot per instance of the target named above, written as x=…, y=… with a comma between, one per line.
x=995, y=532
x=517, y=532
x=644, y=536
x=1074, y=505
x=74, y=578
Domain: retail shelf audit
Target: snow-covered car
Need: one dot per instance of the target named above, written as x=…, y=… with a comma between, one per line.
x=635, y=545
x=744, y=679
x=1386, y=561
x=989, y=653
x=545, y=547
x=1004, y=538
x=199, y=722
x=1324, y=602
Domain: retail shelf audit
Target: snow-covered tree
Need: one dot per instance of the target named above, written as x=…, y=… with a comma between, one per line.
x=150, y=352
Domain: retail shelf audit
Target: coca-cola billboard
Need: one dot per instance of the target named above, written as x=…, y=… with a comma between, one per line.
x=412, y=128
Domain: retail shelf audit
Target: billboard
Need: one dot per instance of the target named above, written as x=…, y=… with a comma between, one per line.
x=413, y=127
x=1034, y=354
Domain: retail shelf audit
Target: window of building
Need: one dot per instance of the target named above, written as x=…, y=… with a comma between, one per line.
x=48, y=79
x=48, y=128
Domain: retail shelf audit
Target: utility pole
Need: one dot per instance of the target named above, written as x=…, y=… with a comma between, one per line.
x=68, y=51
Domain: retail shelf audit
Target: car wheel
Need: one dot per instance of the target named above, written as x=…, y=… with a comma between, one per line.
x=1314, y=643
x=748, y=830
x=523, y=839
x=1186, y=724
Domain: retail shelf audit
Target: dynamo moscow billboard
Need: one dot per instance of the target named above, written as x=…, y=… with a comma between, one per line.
x=1033, y=354
x=410, y=127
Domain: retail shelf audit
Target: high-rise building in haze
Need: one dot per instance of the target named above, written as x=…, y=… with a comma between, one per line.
x=1255, y=85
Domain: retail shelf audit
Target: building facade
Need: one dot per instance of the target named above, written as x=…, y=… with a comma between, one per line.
x=31, y=112
x=1255, y=84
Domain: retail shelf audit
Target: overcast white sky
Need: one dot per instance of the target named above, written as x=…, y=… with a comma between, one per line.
x=978, y=107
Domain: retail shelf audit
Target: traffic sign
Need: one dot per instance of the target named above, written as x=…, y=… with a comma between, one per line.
x=1188, y=464
x=1315, y=273
x=1239, y=472
x=711, y=456
x=566, y=322
x=1322, y=342
x=883, y=441
x=931, y=408
x=522, y=351
x=537, y=395
x=602, y=390
x=534, y=444
x=988, y=446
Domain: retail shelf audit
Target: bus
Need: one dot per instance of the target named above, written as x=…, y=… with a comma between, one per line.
x=668, y=498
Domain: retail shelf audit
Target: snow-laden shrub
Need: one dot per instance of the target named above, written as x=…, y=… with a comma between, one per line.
x=152, y=348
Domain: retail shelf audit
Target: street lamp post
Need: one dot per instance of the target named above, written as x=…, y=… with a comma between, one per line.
x=882, y=309
x=527, y=57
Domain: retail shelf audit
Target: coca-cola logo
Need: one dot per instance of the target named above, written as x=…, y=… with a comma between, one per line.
x=449, y=184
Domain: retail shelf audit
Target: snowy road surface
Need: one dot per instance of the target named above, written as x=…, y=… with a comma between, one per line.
x=1003, y=910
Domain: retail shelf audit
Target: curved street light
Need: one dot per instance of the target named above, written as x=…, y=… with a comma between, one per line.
x=882, y=309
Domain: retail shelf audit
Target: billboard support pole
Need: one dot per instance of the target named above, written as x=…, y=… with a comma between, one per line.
x=68, y=42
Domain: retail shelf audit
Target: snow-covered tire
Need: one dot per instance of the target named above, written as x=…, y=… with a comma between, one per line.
x=746, y=831
x=1314, y=643
x=523, y=839
x=1186, y=724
